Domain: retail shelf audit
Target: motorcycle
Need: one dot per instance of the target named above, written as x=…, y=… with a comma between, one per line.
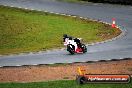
x=71, y=44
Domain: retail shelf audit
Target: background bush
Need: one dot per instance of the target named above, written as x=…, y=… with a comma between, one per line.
x=128, y=2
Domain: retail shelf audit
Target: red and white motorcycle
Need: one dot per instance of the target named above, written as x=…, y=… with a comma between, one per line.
x=74, y=45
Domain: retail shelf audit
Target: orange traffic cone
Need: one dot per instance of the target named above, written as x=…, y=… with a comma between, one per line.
x=113, y=23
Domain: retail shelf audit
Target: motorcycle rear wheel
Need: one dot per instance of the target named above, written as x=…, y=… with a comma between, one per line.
x=84, y=48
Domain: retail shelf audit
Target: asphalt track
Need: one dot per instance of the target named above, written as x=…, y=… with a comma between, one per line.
x=120, y=48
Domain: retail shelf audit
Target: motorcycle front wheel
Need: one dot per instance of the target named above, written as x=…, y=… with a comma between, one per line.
x=70, y=48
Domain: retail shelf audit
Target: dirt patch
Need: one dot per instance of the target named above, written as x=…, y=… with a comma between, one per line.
x=60, y=72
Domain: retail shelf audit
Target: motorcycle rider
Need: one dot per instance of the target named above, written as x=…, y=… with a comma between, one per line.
x=77, y=40
x=65, y=39
x=69, y=40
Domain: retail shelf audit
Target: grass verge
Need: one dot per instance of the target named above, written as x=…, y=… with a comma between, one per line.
x=24, y=30
x=62, y=84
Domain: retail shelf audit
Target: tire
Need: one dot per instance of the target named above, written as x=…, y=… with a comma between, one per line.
x=84, y=48
x=71, y=50
x=80, y=79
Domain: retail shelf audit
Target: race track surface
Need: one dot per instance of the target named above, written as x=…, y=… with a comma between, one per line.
x=120, y=48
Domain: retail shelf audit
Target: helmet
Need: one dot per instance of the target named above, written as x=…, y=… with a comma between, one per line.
x=65, y=35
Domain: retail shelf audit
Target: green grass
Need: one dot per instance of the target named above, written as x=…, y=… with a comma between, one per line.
x=62, y=84
x=25, y=30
